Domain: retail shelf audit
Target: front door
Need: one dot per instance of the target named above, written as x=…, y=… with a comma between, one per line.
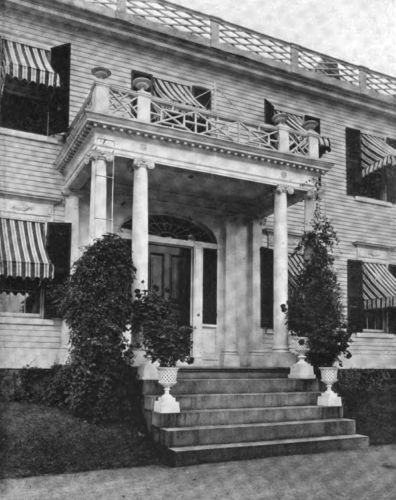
x=170, y=272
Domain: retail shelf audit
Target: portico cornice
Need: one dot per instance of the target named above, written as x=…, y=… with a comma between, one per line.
x=91, y=122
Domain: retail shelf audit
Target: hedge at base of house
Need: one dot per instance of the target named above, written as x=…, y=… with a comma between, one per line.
x=369, y=397
x=46, y=386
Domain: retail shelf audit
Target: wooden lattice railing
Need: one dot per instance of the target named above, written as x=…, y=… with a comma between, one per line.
x=221, y=33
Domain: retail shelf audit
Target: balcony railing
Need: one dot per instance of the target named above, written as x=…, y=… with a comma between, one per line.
x=142, y=107
x=221, y=33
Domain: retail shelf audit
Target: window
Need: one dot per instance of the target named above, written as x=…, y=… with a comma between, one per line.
x=29, y=260
x=189, y=95
x=296, y=121
x=371, y=297
x=35, y=90
x=20, y=296
x=370, y=165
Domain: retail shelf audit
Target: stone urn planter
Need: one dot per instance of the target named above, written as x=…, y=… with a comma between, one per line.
x=167, y=378
x=301, y=369
x=329, y=377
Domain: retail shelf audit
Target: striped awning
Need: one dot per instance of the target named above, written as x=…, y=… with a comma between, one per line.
x=379, y=286
x=175, y=92
x=296, y=121
x=28, y=63
x=295, y=267
x=375, y=154
x=22, y=250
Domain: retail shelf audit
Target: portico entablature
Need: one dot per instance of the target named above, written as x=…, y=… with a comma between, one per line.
x=179, y=150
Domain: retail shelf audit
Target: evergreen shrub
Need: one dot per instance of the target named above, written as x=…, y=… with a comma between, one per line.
x=315, y=309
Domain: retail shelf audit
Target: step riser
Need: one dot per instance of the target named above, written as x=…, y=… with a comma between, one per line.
x=182, y=458
x=237, y=434
x=213, y=401
x=191, y=373
x=244, y=416
x=227, y=386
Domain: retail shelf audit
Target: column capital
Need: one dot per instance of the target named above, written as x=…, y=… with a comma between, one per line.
x=98, y=154
x=283, y=188
x=140, y=163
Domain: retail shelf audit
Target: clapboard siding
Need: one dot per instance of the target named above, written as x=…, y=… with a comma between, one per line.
x=27, y=166
x=237, y=93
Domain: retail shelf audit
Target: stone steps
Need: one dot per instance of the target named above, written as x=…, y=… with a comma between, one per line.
x=205, y=385
x=221, y=434
x=244, y=415
x=237, y=400
x=190, y=455
x=241, y=414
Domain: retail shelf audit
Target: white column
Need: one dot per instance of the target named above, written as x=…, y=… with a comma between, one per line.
x=72, y=215
x=98, y=200
x=280, y=342
x=140, y=242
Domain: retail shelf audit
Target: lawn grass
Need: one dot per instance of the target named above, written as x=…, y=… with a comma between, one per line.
x=36, y=439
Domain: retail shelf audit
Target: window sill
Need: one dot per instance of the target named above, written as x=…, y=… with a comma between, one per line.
x=373, y=201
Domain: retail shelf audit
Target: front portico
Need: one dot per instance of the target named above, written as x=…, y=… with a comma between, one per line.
x=131, y=166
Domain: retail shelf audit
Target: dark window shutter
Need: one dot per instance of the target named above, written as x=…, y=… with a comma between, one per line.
x=391, y=142
x=353, y=166
x=269, y=112
x=391, y=177
x=58, y=249
x=355, y=296
x=267, y=286
x=209, y=315
x=59, y=100
x=392, y=269
x=392, y=320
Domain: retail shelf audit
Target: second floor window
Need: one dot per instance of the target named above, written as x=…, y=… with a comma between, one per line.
x=34, y=88
x=370, y=165
x=176, y=92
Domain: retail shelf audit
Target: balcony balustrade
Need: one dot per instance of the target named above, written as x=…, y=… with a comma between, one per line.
x=140, y=106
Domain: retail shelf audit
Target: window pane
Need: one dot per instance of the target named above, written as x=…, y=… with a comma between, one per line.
x=19, y=296
x=209, y=286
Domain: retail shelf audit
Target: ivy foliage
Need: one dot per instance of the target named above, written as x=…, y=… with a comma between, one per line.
x=315, y=308
x=164, y=338
x=96, y=302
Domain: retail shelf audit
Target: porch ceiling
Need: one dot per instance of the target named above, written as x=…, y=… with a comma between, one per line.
x=203, y=190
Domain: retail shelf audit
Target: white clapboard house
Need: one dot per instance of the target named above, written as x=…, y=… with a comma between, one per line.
x=194, y=138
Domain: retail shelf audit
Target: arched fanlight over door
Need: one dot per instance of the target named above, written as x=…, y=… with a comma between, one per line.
x=168, y=226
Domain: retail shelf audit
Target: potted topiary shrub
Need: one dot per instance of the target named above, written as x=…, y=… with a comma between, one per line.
x=315, y=310
x=164, y=339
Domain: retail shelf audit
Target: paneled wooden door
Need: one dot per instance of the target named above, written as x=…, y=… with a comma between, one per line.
x=170, y=270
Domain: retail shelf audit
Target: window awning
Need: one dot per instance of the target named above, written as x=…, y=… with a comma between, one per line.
x=379, y=286
x=295, y=267
x=296, y=121
x=28, y=63
x=22, y=250
x=375, y=154
x=175, y=92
